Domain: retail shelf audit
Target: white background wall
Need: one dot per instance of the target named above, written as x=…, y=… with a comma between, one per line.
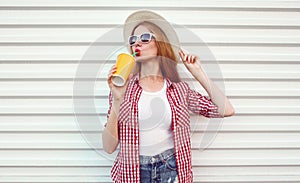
x=257, y=45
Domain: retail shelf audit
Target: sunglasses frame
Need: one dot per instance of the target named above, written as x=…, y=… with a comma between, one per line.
x=139, y=38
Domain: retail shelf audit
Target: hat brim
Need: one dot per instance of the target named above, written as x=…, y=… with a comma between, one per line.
x=140, y=16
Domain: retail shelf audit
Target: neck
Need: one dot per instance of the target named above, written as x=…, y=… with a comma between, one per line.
x=151, y=69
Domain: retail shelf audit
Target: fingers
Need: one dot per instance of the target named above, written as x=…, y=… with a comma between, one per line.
x=182, y=55
x=190, y=58
x=112, y=71
x=110, y=74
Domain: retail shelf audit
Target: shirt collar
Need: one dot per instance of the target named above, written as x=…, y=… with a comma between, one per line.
x=137, y=77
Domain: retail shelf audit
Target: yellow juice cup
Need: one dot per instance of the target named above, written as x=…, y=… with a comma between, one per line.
x=125, y=63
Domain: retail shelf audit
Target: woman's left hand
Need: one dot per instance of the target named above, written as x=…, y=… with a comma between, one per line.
x=190, y=61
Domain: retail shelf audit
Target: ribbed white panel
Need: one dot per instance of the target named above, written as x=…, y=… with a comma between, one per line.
x=256, y=44
x=229, y=71
x=96, y=17
x=158, y=4
x=209, y=35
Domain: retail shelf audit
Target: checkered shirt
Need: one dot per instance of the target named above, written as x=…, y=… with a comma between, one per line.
x=182, y=99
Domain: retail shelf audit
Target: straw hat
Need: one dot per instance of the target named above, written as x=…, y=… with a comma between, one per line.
x=149, y=16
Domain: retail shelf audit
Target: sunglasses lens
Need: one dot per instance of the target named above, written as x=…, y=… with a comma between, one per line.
x=132, y=40
x=145, y=38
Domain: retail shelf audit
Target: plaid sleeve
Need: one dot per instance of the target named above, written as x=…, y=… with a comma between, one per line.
x=110, y=99
x=200, y=104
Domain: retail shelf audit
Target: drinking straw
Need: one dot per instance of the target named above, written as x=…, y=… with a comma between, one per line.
x=134, y=54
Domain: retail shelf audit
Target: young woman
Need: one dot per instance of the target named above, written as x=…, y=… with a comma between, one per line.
x=149, y=115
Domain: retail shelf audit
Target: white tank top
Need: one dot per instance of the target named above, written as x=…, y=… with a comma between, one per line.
x=154, y=115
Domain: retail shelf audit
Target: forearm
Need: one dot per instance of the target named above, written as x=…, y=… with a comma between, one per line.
x=110, y=134
x=225, y=108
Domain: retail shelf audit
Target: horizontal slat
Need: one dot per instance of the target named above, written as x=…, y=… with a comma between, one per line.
x=247, y=171
x=89, y=35
x=71, y=53
x=10, y=35
x=56, y=53
x=61, y=106
x=94, y=17
x=69, y=124
x=145, y=4
x=240, y=71
x=237, y=140
x=249, y=178
x=65, y=89
x=54, y=171
x=34, y=123
x=262, y=88
x=116, y=3
x=245, y=123
x=200, y=158
x=67, y=179
x=70, y=120
x=248, y=140
x=199, y=179
x=202, y=171
x=241, y=157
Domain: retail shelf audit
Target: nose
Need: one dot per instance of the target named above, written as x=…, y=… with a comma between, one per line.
x=138, y=43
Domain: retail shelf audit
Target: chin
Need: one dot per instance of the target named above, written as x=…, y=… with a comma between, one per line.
x=143, y=58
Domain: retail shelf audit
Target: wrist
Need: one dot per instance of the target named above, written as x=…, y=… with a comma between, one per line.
x=197, y=72
x=117, y=100
x=117, y=97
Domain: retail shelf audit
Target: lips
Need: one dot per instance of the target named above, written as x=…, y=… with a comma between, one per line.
x=138, y=50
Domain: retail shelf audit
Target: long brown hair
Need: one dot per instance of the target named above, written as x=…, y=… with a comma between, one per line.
x=168, y=61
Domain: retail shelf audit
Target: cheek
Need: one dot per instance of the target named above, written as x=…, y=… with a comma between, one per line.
x=154, y=48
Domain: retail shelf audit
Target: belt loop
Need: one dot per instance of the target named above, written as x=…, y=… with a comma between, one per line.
x=162, y=158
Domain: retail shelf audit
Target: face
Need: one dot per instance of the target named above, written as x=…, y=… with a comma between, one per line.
x=145, y=49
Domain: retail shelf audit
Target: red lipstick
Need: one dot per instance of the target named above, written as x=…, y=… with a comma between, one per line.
x=138, y=50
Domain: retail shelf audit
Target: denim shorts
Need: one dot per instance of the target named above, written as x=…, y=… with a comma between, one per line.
x=159, y=168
